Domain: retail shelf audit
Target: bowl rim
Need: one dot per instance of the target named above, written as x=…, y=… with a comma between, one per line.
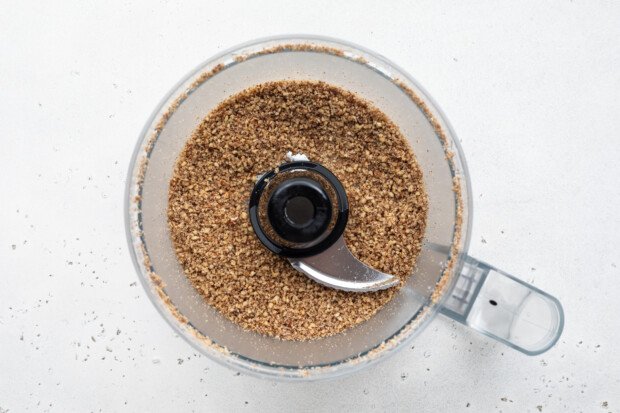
x=397, y=341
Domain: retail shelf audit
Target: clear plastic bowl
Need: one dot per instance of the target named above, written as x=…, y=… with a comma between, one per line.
x=371, y=77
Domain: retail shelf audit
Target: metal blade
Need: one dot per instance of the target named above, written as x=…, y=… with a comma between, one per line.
x=337, y=268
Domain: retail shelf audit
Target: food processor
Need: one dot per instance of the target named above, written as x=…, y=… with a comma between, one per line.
x=445, y=279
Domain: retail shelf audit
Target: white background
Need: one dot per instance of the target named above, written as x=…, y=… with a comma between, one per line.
x=532, y=90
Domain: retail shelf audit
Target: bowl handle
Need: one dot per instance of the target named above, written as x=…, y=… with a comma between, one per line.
x=505, y=308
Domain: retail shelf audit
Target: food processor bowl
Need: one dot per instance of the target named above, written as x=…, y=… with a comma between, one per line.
x=444, y=277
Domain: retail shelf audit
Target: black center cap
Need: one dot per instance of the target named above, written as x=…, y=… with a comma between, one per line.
x=299, y=210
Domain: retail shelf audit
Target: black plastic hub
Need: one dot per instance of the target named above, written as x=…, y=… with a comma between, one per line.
x=302, y=217
x=299, y=210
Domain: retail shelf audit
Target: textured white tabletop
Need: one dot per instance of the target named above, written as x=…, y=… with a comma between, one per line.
x=532, y=90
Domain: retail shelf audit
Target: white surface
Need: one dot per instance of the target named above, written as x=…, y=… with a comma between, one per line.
x=532, y=91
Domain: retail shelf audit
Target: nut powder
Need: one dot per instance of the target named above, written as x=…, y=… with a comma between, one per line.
x=250, y=133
